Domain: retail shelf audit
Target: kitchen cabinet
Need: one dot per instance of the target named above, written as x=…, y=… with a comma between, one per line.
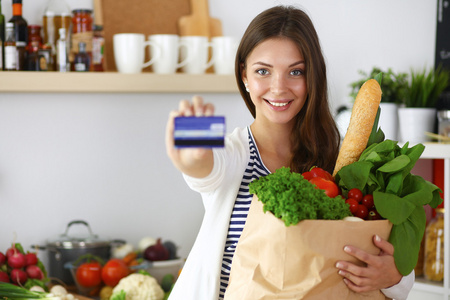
x=113, y=82
x=422, y=288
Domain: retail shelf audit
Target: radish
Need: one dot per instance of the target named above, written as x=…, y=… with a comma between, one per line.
x=18, y=276
x=4, y=277
x=10, y=251
x=34, y=272
x=2, y=259
x=31, y=259
x=17, y=260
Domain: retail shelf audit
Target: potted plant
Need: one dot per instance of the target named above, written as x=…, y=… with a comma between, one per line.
x=394, y=87
x=419, y=112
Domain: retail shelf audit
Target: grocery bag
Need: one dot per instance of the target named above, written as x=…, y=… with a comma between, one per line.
x=273, y=261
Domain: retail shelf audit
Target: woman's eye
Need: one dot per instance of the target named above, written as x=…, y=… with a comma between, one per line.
x=296, y=72
x=262, y=71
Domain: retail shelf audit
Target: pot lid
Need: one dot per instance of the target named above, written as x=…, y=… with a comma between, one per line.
x=69, y=241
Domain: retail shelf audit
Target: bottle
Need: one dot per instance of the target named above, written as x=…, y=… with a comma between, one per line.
x=34, y=61
x=2, y=38
x=98, y=46
x=434, y=248
x=81, y=61
x=82, y=30
x=21, y=34
x=62, y=58
x=10, y=48
x=57, y=15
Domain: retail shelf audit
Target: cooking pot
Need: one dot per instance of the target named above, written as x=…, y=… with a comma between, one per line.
x=67, y=248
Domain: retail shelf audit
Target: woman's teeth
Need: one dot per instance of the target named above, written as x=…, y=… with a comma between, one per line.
x=278, y=103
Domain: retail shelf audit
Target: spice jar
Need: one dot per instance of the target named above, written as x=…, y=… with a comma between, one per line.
x=82, y=31
x=434, y=248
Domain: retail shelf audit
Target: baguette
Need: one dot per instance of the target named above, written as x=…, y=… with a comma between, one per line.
x=362, y=118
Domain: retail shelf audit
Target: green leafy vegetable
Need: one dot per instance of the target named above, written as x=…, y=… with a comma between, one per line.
x=384, y=170
x=10, y=291
x=292, y=198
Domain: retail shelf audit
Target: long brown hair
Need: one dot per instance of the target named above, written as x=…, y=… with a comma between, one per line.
x=315, y=135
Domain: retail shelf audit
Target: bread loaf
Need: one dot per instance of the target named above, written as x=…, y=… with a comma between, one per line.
x=362, y=118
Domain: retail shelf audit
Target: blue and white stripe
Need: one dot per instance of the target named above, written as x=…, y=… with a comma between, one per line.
x=254, y=170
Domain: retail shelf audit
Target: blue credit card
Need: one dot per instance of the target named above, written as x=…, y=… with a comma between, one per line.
x=200, y=132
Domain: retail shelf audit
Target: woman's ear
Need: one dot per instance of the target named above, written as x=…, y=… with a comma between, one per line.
x=243, y=74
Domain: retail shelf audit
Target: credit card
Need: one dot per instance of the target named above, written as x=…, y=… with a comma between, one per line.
x=200, y=132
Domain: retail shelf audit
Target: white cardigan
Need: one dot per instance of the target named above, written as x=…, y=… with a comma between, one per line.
x=200, y=277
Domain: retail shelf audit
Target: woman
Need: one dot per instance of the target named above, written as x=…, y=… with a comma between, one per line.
x=281, y=75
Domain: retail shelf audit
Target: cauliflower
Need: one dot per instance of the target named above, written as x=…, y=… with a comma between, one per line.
x=140, y=287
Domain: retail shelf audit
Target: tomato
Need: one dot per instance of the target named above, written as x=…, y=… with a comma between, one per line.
x=330, y=188
x=373, y=214
x=367, y=201
x=353, y=205
x=114, y=270
x=355, y=194
x=319, y=172
x=362, y=212
x=89, y=274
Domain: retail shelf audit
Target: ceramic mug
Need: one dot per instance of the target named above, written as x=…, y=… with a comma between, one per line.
x=129, y=52
x=196, y=51
x=166, y=49
x=224, y=53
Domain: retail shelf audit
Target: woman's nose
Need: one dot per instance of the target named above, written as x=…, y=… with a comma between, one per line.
x=278, y=84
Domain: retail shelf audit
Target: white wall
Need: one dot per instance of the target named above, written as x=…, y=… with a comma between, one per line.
x=101, y=157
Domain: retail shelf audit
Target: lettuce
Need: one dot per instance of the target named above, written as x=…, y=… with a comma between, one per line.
x=292, y=198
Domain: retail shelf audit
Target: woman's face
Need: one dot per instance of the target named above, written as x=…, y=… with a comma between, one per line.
x=275, y=74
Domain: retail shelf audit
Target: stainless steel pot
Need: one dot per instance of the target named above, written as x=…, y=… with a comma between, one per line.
x=68, y=248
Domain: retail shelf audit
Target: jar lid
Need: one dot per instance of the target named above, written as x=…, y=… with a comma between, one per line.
x=68, y=241
x=82, y=11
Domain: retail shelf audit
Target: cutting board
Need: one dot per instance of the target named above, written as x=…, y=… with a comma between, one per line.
x=137, y=16
x=199, y=22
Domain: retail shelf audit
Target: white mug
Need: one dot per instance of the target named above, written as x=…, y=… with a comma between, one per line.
x=129, y=52
x=224, y=54
x=165, y=49
x=196, y=51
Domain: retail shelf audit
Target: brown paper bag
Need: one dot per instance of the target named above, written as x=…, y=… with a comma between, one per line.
x=273, y=261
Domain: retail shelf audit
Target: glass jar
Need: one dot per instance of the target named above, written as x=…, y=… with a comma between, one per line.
x=444, y=123
x=434, y=248
x=82, y=31
x=57, y=15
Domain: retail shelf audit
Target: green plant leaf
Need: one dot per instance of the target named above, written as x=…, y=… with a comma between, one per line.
x=406, y=238
x=393, y=207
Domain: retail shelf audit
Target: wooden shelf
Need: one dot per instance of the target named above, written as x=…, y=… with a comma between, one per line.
x=113, y=82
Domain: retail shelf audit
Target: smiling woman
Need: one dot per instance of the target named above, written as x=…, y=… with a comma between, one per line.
x=281, y=75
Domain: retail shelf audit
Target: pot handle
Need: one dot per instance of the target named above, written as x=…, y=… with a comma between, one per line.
x=79, y=222
x=36, y=247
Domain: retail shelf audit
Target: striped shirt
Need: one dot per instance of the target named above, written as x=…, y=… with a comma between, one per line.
x=254, y=170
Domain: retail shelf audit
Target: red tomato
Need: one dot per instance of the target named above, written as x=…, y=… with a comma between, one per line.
x=114, y=270
x=319, y=172
x=355, y=194
x=373, y=214
x=353, y=205
x=367, y=201
x=89, y=274
x=330, y=188
x=362, y=212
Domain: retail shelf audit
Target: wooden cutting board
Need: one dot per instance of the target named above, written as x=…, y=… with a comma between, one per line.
x=199, y=22
x=137, y=16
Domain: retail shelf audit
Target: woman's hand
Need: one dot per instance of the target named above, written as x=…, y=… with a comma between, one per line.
x=195, y=162
x=378, y=273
